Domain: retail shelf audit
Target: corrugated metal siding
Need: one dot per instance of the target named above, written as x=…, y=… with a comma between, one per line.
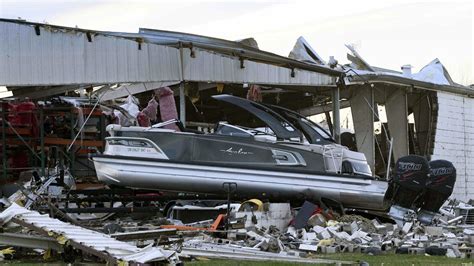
x=66, y=57
x=103, y=245
x=209, y=66
x=454, y=140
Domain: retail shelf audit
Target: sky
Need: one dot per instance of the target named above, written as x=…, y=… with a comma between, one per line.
x=386, y=33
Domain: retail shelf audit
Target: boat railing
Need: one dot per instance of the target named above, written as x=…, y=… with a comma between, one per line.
x=165, y=123
x=334, y=154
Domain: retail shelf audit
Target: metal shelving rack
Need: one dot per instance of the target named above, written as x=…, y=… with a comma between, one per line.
x=37, y=145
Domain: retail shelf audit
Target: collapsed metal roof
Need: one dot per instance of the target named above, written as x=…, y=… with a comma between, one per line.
x=233, y=48
x=434, y=76
x=36, y=54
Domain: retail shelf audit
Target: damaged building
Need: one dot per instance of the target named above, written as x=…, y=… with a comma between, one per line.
x=84, y=102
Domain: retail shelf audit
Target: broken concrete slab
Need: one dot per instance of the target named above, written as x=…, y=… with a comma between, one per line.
x=310, y=236
x=434, y=230
x=407, y=227
x=308, y=247
x=354, y=227
x=325, y=234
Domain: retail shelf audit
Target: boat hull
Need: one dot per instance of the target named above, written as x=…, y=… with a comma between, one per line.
x=156, y=174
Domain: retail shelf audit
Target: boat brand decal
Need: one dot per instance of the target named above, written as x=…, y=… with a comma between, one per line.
x=404, y=166
x=442, y=171
x=239, y=151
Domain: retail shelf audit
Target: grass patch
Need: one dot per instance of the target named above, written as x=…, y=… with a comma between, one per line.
x=385, y=260
x=400, y=259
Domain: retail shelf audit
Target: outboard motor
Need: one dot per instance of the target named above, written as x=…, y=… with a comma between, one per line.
x=438, y=189
x=406, y=186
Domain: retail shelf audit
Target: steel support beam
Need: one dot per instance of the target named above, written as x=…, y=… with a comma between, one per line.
x=336, y=116
x=319, y=109
x=182, y=104
x=144, y=235
x=43, y=92
x=29, y=241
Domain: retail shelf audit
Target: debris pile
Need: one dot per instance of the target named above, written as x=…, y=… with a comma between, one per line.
x=252, y=230
x=311, y=232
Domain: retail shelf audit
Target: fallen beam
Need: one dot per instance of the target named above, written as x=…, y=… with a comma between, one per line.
x=215, y=251
x=29, y=241
x=144, y=235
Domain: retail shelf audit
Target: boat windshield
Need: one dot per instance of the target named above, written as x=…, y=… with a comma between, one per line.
x=313, y=132
x=280, y=126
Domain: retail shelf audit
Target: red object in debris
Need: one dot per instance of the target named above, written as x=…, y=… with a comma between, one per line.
x=143, y=120
x=12, y=116
x=217, y=222
x=26, y=113
x=19, y=160
x=23, y=115
x=213, y=227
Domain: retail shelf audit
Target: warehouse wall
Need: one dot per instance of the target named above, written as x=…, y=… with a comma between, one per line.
x=65, y=57
x=208, y=66
x=454, y=140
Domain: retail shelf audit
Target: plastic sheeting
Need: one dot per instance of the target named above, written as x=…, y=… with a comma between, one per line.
x=131, y=107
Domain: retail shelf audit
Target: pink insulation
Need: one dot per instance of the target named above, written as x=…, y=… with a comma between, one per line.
x=167, y=106
x=254, y=93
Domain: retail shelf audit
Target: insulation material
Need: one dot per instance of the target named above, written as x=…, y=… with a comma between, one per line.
x=148, y=113
x=254, y=93
x=143, y=120
x=151, y=109
x=167, y=106
x=131, y=107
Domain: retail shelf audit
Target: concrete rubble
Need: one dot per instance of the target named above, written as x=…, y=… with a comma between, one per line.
x=447, y=236
x=256, y=231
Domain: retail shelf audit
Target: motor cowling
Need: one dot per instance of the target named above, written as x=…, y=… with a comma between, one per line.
x=440, y=185
x=409, y=180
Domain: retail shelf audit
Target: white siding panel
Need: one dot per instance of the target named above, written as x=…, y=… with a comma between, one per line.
x=122, y=61
x=454, y=140
x=60, y=57
x=3, y=45
x=65, y=56
x=209, y=66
